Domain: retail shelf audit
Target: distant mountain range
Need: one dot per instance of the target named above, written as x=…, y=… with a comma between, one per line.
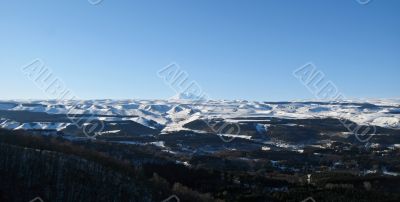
x=256, y=124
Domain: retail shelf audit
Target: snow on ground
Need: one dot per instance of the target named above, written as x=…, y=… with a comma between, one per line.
x=247, y=137
x=108, y=132
x=262, y=128
x=9, y=124
x=174, y=113
x=13, y=125
x=6, y=106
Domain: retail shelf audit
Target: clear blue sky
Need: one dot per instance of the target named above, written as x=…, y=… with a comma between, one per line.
x=233, y=49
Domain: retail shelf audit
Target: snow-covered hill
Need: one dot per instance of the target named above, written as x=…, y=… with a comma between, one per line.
x=172, y=114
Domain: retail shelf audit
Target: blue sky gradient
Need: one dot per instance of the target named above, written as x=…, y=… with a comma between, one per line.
x=233, y=49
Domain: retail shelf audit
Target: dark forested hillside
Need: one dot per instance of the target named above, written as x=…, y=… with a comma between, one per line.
x=56, y=169
x=28, y=172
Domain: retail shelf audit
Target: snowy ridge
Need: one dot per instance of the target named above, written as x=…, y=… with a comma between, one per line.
x=172, y=114
x=13, y=125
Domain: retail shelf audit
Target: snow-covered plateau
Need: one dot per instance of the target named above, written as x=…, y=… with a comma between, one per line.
x=171, y=115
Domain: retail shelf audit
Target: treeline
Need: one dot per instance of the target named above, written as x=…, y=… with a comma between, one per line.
x=159, y=188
